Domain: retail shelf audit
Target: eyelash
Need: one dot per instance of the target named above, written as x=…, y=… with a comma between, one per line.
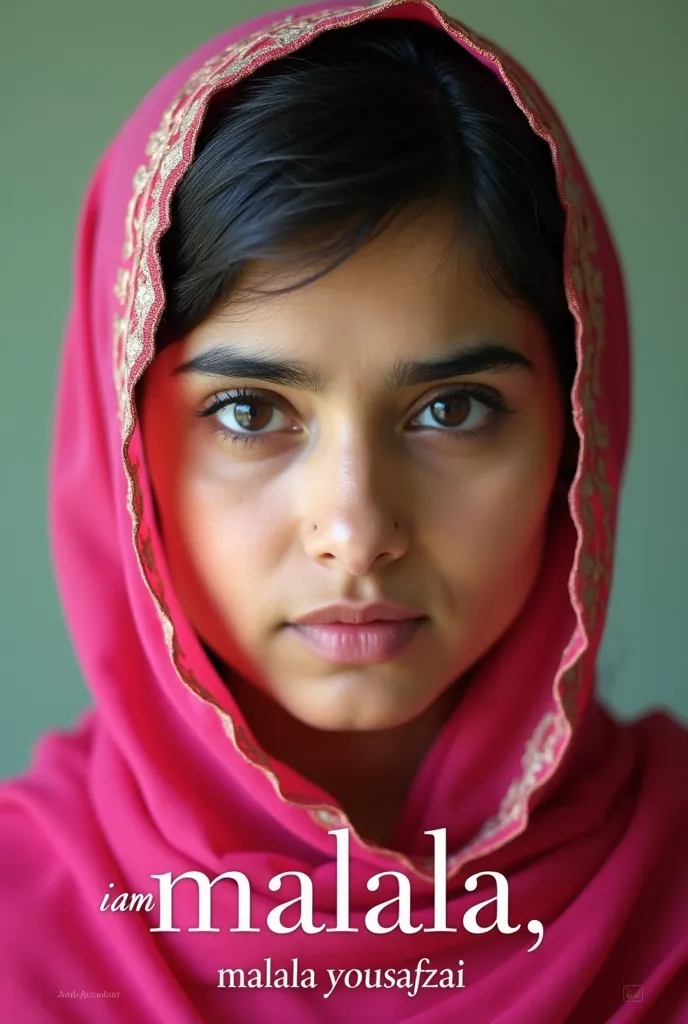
x=486, y=396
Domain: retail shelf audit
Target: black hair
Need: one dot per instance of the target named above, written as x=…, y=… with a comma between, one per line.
x=315, y=153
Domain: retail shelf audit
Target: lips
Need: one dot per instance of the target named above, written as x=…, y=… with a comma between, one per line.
x=357, y=613
x=357, y=634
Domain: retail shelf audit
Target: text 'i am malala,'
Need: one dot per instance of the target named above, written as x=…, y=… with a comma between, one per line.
x=304, y=901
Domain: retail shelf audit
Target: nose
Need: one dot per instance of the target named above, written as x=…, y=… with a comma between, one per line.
x=351, y=516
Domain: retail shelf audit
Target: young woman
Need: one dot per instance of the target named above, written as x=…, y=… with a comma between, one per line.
x=341, y=425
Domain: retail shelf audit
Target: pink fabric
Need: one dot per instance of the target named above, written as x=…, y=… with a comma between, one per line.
x=586, y=816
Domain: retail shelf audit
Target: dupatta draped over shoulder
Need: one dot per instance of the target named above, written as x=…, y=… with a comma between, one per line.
x=531, y=776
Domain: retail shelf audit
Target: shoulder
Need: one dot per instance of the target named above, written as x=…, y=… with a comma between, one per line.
x=49, y=942
x=662, y=746
x=657, y=921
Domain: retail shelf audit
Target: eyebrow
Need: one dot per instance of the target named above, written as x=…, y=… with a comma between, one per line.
x=478, y=357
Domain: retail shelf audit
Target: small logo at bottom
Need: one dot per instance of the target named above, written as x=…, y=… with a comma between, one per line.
x=633, y=993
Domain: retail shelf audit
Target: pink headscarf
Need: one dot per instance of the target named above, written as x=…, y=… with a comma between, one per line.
x=531, y=777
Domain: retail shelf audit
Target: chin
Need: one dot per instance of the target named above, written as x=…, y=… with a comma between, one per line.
x=356, y=722
x=339, y=706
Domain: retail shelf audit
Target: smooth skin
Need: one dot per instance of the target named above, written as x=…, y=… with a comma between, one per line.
x=347, y=480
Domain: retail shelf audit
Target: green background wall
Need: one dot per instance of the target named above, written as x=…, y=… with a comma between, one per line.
x=71, y=72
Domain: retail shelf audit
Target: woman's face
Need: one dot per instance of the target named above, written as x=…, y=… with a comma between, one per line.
x=389, y=433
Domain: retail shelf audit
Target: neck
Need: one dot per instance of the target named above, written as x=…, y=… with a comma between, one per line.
x=369, y=774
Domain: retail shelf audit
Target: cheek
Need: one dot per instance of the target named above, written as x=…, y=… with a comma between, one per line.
x=489, y=525
x=222, y=551
x=219, y=539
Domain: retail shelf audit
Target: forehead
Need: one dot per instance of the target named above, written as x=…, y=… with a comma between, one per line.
x=411, y=292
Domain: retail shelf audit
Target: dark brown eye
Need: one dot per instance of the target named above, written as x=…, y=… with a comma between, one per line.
x=451, y=411
x=460, y=412
x=252, y=415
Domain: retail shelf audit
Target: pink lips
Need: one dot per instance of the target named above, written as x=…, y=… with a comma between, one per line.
x=357, y=634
